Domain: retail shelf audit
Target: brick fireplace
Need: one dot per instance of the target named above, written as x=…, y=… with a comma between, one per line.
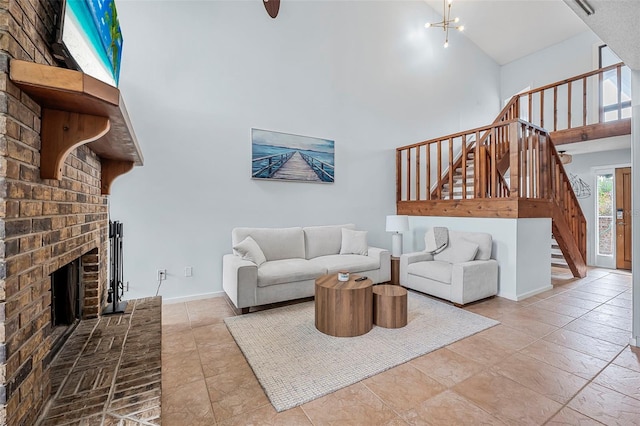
x=44, y=223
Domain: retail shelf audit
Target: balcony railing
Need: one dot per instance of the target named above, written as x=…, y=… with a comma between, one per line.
x=592, y=98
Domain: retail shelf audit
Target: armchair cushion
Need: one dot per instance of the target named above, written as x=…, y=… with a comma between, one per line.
x=461, y=251
x=249, y=250
x=482, y=239
x=354, y=242
x=432, y=269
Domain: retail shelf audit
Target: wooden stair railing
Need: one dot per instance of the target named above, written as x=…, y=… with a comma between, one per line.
x=509, y=112
x=572, y=109
x=585, y=115
x=515, y=160
x=426, y=168
x=535, y=172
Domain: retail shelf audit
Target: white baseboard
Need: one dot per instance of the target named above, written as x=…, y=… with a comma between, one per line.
x=634, y=341
x=168, y=301
x=507, y=295
x=533, y=292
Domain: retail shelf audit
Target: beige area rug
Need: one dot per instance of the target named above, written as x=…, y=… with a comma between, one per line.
x=295, y=363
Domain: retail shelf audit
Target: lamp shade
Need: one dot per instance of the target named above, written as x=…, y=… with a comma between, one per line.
x=397, y=223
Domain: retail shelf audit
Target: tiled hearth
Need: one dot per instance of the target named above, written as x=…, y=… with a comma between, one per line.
x=109, y=371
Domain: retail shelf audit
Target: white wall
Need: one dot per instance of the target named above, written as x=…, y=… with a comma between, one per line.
x=522, y=248
x=569, y=58
x=635, y=176
x=583, y=166
x=197, y=76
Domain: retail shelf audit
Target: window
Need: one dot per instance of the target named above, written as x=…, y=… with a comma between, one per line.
x=615, y=96
x=604, y=215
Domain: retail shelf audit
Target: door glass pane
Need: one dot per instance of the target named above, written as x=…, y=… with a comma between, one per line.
x=604, y=213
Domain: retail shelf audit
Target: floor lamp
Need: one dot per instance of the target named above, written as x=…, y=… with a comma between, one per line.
x=397, y=225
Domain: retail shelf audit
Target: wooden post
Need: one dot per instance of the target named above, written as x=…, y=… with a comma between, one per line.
x=428, y=157
x=493, y=161
x=555, y=108
x=408, y=174
x=569, y=106
x=584, y=101
x=418, y=173
x=477, y=161
x=601, y=96
x=514, y=160
x=536, y=151
x=464, y=167
x=542, y=108
x=451, y=168
x=439, y=177
x=398, y=176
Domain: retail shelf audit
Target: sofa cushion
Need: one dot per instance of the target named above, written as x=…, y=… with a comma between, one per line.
x=461, y=251
x=249, y=250
x=354, y=242
x=323, y=240
x=349, y=262
x=288, y=271
x=431, y=269
x=482, y=239
x=276, y=243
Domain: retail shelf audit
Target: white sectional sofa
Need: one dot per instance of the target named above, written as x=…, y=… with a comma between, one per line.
x=462, y=273
x=287, y=261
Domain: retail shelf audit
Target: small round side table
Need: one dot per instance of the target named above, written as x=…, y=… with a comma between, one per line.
x=389, y=306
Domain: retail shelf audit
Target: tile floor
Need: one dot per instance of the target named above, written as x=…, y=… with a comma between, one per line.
x=561, y=357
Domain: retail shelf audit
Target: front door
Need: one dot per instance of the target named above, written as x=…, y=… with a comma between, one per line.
x=623, y=218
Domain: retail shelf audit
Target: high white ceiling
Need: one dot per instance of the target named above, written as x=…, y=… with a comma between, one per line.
x=616, y=22
x=510, y=29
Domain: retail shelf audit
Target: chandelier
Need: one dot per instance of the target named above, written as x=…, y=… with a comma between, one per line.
x=446, y=22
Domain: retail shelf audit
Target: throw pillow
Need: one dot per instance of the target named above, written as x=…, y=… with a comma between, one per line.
x=354, y=242
x=436, y=239
x=463, y=251
x=249, y=250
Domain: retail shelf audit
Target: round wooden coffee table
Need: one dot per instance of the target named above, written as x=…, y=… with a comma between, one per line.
x=389, y=306
x=343, y=309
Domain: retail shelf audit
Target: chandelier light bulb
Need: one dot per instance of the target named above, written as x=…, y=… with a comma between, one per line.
x=446, y=23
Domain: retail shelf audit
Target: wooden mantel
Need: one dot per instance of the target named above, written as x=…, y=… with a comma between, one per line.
x=78, y=109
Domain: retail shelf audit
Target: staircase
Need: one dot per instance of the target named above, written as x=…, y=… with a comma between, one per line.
x=557, y=258
x=511, y=168
x=462, y=181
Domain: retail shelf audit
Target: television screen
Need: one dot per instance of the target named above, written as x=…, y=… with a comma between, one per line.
x=90, y=38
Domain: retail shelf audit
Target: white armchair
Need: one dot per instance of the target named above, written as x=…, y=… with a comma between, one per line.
x=462, y=273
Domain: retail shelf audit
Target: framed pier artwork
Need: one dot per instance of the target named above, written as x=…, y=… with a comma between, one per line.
x=283, y=156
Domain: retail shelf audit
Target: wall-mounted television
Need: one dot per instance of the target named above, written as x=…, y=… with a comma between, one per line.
x=88, y=38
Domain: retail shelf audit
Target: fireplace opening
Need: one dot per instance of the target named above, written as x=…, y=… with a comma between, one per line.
x=66, y=306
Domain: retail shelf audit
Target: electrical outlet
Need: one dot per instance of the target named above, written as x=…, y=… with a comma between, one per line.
x=188, y=271
x=162, y=274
